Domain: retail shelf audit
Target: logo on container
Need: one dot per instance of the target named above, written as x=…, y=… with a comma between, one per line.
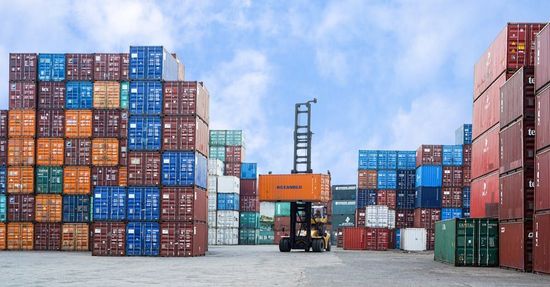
x=289, y=187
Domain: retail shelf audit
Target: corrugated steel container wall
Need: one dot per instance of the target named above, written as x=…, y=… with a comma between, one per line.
x=249, y=203
x=466, y=197
x=541, y=243
x=3, y=209
x=366, y=197
x=467, y=154
x=451, y=197
x=485, y=196
x=345, y=206
x=105, y=152
x=450, y=213
x=387, y=179
x=486, y=113
x=51, y=123
x=20, y=236
x=343, y=220
x=22, y=96
x=123, y=153
x=185, y=133
x=3, y=151
x=106, y=95
x=183, y=204
x=516, y=245
x=426, y=217
x=384, y=197
x=513, y=48
x=228, y=201
x=452, y=155
x=406, y=160
x=405, y=199
x=144, y=133
x=144, y=168
x=517, y=97
x=51, y=67
x=110, y=67
x=143, y=204
x=79, y=95
x=542, y=181
x=3, y=236
x=360, y=216
x=543, y=119
x=406, y=179
x=21, y=207
x=428, y=197
x=354, y=238
x=183, y=239
x=20, y=179
x=109, y=238
x=217, y=152
x=249, y=236
x=79, y=67
x=142, y=239
x=308, y=187
x=49, y=151
x=75, y=237
x=3, y=179
x=234, y=138
x=4, y=119
x=249, y=170
x=78, y=152
x=78, y=124
x=23, y=66
x=110, y=124
x=76, y=180
x=367, y=179
x=47, y=236
x=248, y=187
x=76, y=208
x=153, y=63
x=387, y=159
x=463, y=135
x=230, y=236
x=542, y=59
x=429, y=176
x=218, y=138
x=234, y=154
x=251, y=220
x=368, y=159
x=124, y=95
x=184, y=168
x=429, y=155
x=517, y=195
x=109, y=203
x=378, y=216
x=49, y=208
x=452, y=176
x=227, y=219
x=145, y=98
x=404, y=218
x=485, y=153
x=215, y=167
x=22, y=123
x=51, y=95
x=517, y=146
x=106, y=176
x=186, y=98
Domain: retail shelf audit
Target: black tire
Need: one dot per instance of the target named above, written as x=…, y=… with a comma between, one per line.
x=284, y=245
x=328, y=246
x=317, y=245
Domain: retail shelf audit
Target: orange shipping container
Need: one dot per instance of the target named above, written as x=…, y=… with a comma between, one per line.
x=78, y=124
x=20, y=236
x=75, y=237
x=294, y=187
x=21, y=151
x=105, y=152
x=2, y=236
x=123, y=176
x=50, y=151
x=22, y=123
x=106, y=95
x=48, y=208
x=76, y=180
x=20, y=179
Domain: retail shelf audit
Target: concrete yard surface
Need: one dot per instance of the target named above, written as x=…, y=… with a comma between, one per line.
x=252, y=266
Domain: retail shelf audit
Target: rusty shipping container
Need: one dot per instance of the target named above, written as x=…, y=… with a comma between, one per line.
x=78, y=152
x=453, y=176
x=542, y=60
x=386, y=197
x=186, y=98
x=75, y=237
x=543, y=119
x=486, y=113
x=360, y=217
x=105, y=152
x=232, y=169
x=78, y=123
x=541, y=243
x=23, y=66
x=542, y=181
x=426, y=217
x=79, y=67
x=429, y=155
x=183, y=204
x=306, y=187
x=48, y=208
x=50, y=151
x=105, y=176
x=485, y=153
x=51, y=95
x=109, y=239
x=186, y=133
x=51, y=123
x=234, y=154
x=144, y=168
x=106, y=95
x=47, y=236
x=76, y=180
x=22, y=123
x=22, y=96
x=249, y=187
x=404, y=218
x=516, y=245
x=249, y=203
x=451, y=197
x=111, y=67
x=484, y=195
x=517, y=97
x=517, y=146
x=20, y=236
x=110, y=124
x=20, y=179
x=517, y=195
x=179, y=239
x=21, y=151
x=367, y=179
x=20, y=208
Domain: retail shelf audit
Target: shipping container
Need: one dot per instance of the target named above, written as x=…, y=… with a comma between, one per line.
x=124, y=95
x=517, y=97
x=47, y=236
x=451, y=197
x=345, y=206
x=79, y=95
x=543, y=119
x=542, y=180
x=413, y=239
x=217, y=152
x=20, y=179
x=234, y=154
x=379, y=239
x=463, y=134
x=75, y=237
x=235, y=138
x=485, y=196
x=143, y=204
x=360, y=216
x=230, y=236
x=105, y=152
x=467, y=155
x=517, y=146
x=249, y=236
x=354, y=238
x=145, y=98
x=405, y=199
x=78, y=124
x=185, y=133
x=20, y=236
x=50, y=151
x=76, y=180
x=233, y=169
x=142, y=239
x=368, y=159
x=3, y=235
x=105, y=176
x=249, y=187
x=466, y=197
x=23, y=66
x=3, y=179
x=212, y=215
x=467, y=242
x=79, y=67
x=249, y=220
x=145, y=133
x=429, y=176
x=377, y=216
x=450, y=213
x=215, y=167
x=429, y=155
x=366, y=197
x=249, y=203
x=386, y=197
x=3, y=209
x=516, y=245
x=184, y=168
x=49, y=179
x=22, y=123
x=406, y=160
x=109, y=203
x=183, y=204
x=387, y=159
x=22, y=96
x=110, y=124
x=428, y=197
x=123, y=152
x=51, y=95
x=368, y=179
x=541, y=243
x=144, y=168
x=183, y=239
x=106, y=95
x=404, y=218
x=517, y=195
x=542, y=59
x=186, y=98
x=21, y=208
x=51, y=123
x=49, y=208
x=406, y=179
x=4, y=120
x=426, y=217
x=452, y=155
x=343, y=220
x=485, y=153
x=486, y=109
x=228, y=201
x=452, y=176
x=109, y=239
x=76, y=208
x=78, y=152
x=387, y=179
x=283, y=209
x=249, y=171
x=218, y=138
x=110, y=67
x=51, y=67
x=153, y=63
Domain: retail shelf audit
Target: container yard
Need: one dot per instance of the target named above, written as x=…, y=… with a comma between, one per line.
x=168, y=151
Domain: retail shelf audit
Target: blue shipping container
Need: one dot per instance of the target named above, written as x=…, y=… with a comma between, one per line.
x=452, y=155
x=109, y=203
x=387, y=179
x=449, y=213
x=387, y=159
x=144, y=133
x=368, y=159
x=429, y=176
x=397, y=238
x=153, y=63
x=185, y=168
x=142, y=239
x=228, y=201
x=366, y=197
x=406, y=159
x=3, y=208
x=406, y=179
x=428, y=197
x=79, y=95
x=51, y=67
x=463, y=134
x=465, y=213
x=143, y=203
x=3, y=179
x=249, y=170
x=466, y=197
x=76, y=208
x=405, y=199
x=145, y=98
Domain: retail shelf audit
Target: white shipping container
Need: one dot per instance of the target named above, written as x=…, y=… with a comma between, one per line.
x=227, y=236
x=212, y=219
x=212, y=236
x=215, y=167
x=391, y=218
x=229, y=184
x=377, y=216
x=212, y=201
x=212, y=184
x=227, y=219
x=267, y=211
x=413, y=239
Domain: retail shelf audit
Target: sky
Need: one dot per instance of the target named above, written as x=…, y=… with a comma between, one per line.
x=387, y=74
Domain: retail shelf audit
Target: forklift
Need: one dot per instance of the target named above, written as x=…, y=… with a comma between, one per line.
x=307, y=223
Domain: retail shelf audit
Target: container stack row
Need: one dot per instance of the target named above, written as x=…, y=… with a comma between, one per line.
x=249, y=223
x=343, y=209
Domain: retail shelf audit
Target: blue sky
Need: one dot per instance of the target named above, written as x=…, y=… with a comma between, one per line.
x=387, y=74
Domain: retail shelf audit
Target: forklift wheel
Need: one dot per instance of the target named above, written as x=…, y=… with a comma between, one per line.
x=284, y=245
x=317, y=245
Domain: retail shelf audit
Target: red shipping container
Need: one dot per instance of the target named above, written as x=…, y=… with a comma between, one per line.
x=23, y=67
x=386, y=197
x=21, y=208
x=452, y=176
x=543, y=119
x=360, y=217
x=368, y=179
x=185, y=133
x=542, y=181
x=78, y=152
x=183, y=204
x=484, y=196
x=486, y=112
x=51, y=123
x=144, y=168
x=542, y=60
x=178, y=239
x=513, y=48
x=485, y=153
x=22, y=96
x=249, y=187
x=452, y=197
x=541, y=243
x=123, y=152
x=110, y=124
x=404, y=218
x=233, y=169
x=426, y=217
x=354, y=238
x=110, y=67
x=517, y=97
x=430, y=240
x=4, y=123
x=378, y=239
x=281, y=223
x=234, y=154
x=466, y=175
x=79, y=67
x=47, y=236
x=516, y=245
x=517, y=146
x=249, y=203
x=429, y=155
x=51, y=95
x=3, y=151
x=517, y=195
x=186, y=98
x=105, y=176
x=467, y=154
x=108, y=238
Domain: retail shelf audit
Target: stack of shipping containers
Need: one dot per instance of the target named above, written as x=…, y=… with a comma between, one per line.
x=215, y=170
x=343, y=208
x=463, y=136
x=281, y=221
x=405, y=194
x=452, y=182
x=249, y=223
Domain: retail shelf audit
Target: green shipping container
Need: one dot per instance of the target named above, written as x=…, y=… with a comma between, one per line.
x=249, y=236
x=343, y=206
x=467, y=242
x=249, y=220
x=234, y=138
x=282, y=209
x=217, y=152
x=3, y=209
x=124, y=95
x=266, y=237
x=49, y=179
x=218, y=138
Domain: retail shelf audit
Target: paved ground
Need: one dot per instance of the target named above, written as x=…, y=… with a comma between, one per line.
x=251, y=266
